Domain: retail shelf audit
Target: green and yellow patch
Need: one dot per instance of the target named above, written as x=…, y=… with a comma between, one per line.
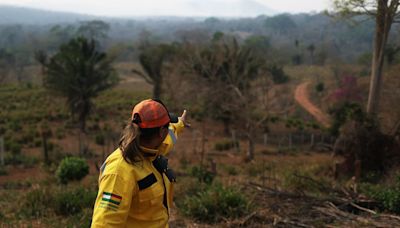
x=110, y=201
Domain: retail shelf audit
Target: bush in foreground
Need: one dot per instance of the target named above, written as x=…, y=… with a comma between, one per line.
x=36, y=203
x=202, y=174
x=215, y=202
x=72, y=202
x=72, y=168
x=387, y=196
x=41, y=202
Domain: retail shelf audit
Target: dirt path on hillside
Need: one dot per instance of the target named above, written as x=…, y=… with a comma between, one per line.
x=301, y=96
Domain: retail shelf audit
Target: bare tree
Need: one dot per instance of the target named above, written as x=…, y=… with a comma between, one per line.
x=231, y=73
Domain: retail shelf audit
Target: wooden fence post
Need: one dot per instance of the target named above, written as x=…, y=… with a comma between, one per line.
x=312, y=139
x=234, y=139
x=265, y=139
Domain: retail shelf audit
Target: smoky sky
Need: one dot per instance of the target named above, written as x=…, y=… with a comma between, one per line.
x=175, y=7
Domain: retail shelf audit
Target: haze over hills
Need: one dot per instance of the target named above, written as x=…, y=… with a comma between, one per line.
x=239, y=8
x=24, y=15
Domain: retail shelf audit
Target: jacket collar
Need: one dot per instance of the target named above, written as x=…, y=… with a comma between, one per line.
x=152, y=153
x=147, y=152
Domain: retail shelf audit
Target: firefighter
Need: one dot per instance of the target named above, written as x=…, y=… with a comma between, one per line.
x=135, y=182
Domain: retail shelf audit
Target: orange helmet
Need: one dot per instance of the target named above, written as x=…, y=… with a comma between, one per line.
x=150, y=114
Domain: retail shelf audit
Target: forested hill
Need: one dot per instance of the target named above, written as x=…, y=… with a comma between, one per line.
x=297, y=38
x=23, y=15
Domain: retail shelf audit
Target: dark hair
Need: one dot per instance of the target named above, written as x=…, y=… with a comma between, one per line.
x=129, y=142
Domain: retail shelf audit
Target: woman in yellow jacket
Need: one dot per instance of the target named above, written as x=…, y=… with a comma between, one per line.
x=135, y=183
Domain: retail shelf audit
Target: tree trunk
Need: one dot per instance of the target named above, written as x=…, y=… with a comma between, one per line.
x=384, y=21
x=265, y=139
x=226, y=126
x=81, y=143
x=235, y=141
x=82, y=124
x=157, y=89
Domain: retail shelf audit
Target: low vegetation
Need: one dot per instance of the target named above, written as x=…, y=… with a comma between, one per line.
x=213, y=203
x=72, y=168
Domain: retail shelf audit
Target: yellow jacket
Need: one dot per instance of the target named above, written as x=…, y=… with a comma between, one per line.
x=132, y=195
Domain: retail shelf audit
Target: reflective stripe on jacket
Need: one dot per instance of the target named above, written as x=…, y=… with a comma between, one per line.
x=132, y=195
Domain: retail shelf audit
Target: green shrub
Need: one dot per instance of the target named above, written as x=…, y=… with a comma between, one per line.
x=37, y=203
x=226, y=144
x=42, y=201
x=17, y=184
x=3, y=171
x=278, y=74
x=215, y=203
x=388, y=196
x=19, y=159
x=305, y=181
x=320, y=87
x=12, y=146
x=82, y=219
x=73, y=201
x=344, y=112
x=202, y=174
x=232, y=170
x=314, y=125
x=72, y=168
x=14, y=125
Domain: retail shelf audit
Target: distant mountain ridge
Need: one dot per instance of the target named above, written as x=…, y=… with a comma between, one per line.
x=25, y=15
x=216, y=8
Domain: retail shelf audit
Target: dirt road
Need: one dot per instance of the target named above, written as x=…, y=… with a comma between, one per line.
x=301, y=96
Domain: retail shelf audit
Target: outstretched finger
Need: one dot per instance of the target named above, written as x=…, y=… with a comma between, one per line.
x=183, y=116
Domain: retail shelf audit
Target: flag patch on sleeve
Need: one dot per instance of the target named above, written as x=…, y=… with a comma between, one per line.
x=112, y=199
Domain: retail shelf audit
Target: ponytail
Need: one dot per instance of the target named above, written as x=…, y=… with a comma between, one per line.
x=129, y=143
